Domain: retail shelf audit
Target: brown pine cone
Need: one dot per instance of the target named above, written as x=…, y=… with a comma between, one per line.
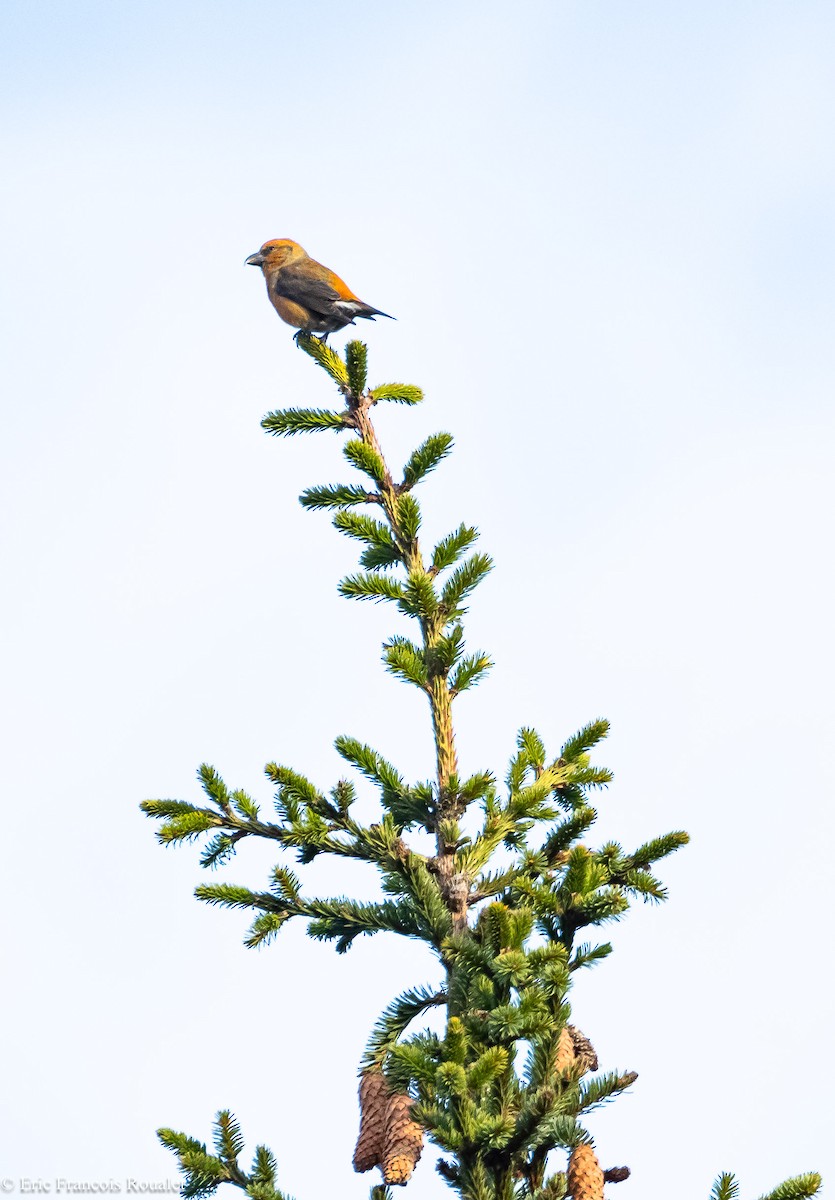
x=574, y=1047
x=585, y=1176
x=403, y=1141
x=616, y=1174
x=374, y=1094
x=583, y=1049
x=564, y=1057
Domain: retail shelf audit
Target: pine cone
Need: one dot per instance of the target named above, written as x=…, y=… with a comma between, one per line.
x=564, y=1057
x=583, y=1049
x=574, y=1047
x=585, y=1176
x=374, y=1094
x=616, y=1174
x=403, y=1141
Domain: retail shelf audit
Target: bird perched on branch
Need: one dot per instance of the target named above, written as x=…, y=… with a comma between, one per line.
x=305, y=294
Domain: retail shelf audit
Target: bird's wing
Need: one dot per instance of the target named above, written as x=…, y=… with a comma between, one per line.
x=315, y=294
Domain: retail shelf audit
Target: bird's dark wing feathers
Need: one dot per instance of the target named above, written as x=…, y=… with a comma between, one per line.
x=315, y=294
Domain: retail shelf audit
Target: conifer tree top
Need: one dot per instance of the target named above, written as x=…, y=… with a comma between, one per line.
x=510, y=903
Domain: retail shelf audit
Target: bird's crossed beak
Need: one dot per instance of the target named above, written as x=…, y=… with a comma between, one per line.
x=255, y=260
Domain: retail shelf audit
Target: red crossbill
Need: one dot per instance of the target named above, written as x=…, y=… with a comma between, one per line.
x=305, y=294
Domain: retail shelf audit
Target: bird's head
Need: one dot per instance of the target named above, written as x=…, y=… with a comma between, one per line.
x=276, y=253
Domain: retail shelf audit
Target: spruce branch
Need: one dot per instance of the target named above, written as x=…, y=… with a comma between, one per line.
x=231, y=895
x=203, y=1172
x=726, y=1187
x=244, y=805
x=371, y=764
x=568, y=832
x=371, y=586
x=363, y=528
x=366, y=458
x=294, y=788
x=343, y=920
x=219, y=849
x=464, y=580
x=603, y=1088
x=213, y=786
x=420, y=601
x=426, y=458
x=407, y=661
x=356, y=363
x=588, y=956
x=395, y=1020
x=407, y=521
x=533, y=747
x=263, y=929
x=450, y=549
x=340, y=919
x=167, y=808
x=658, y=848
x=337, y=495
x=643, y=884
x=327, y=358
x=187, y=826
x=381, y=548
x=228, y=1139
x=399, y=393
x=468, y=672
x=381, y=1191
x=798, y=1188
x=289, y=421
x=585, y=739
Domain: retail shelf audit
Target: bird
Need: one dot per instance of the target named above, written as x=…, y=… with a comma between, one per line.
x=308, y=296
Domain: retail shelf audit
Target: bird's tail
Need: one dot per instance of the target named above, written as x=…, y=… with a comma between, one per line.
x=358, y=308
x=371, y=313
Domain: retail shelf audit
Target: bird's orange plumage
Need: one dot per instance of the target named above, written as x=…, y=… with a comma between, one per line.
x=305, y=294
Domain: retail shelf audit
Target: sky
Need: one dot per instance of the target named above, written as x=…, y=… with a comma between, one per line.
x=606, y=232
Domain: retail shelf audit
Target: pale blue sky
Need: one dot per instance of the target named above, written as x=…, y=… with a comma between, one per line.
x=606, y=231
